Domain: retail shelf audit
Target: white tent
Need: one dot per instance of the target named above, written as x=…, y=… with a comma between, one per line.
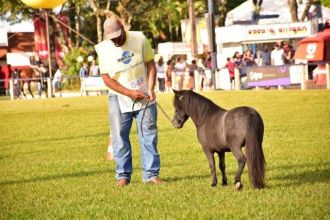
x=243, y=13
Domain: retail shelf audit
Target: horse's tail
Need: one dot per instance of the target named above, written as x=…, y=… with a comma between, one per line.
x=255, y=156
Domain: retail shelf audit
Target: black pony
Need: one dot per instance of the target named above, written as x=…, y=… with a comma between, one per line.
x=220, y=131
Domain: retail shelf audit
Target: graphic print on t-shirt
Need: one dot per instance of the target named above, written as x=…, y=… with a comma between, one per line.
x=126, y=57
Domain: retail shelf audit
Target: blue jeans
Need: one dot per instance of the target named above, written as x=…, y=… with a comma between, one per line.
x=120, y=124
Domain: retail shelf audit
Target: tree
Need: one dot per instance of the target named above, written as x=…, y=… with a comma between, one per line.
x=293, y=10
x=307, y=7
x=223, y=6
x=293, y=5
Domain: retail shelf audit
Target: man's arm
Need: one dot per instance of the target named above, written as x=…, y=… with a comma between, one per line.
x=116, y=86
x=151, y=73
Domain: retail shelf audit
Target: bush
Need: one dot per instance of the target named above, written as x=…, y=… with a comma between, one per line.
x=72, y=67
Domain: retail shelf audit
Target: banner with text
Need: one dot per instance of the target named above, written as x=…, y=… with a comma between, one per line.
x=268, y=76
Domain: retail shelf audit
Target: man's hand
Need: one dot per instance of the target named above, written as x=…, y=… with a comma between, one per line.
x=152, y=95
x=137, y=95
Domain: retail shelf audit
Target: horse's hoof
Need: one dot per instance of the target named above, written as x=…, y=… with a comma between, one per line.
x=213, y=184
x=224, y=183
x=239, y=186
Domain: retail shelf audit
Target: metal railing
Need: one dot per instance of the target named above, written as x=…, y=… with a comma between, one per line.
x=206, y=79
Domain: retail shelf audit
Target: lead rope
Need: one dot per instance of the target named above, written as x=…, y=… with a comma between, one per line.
x=166, y=116
x=144, y=112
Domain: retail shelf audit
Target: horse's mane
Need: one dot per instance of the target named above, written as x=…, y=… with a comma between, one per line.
x=198, y=107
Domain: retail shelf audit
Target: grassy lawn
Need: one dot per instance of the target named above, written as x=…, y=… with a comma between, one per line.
x=52, y=162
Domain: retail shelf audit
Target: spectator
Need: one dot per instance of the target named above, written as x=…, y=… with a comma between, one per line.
x=288, y=53
x=192, y=68
x=230, y=65
x=169, y=70
x=277, y=55
x=179, y=69
x=327, y=24
x=17, y=83
x=57, y=81
x=265, y=56
x=2, y=81
x=201, y=69
x=94, y=69
x=238, y=61
x=83, y=72
x=247, y=60
x=161, y=74
x=208, y=61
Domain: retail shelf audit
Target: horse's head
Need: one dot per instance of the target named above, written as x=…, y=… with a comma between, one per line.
x=180, y=115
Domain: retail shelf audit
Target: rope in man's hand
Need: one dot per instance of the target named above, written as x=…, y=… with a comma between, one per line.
x=146, y=102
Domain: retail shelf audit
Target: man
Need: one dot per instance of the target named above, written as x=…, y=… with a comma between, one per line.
x=128, y=69
x=83, y=72
x=265, y=56
x=94, y=69
x=277, y=55
x=57, y=80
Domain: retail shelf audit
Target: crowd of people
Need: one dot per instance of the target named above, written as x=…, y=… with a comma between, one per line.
x=179, y=74
x=282, y=53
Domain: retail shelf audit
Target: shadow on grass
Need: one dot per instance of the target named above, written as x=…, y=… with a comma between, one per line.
x=298, y=175
x=188, y=178
x=57, y=177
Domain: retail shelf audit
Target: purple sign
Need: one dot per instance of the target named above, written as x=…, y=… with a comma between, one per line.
x=268, y=76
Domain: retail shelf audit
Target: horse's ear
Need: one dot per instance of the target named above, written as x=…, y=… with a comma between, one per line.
x=175, y=91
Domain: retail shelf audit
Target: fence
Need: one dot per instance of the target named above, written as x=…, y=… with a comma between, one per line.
x=301, y=76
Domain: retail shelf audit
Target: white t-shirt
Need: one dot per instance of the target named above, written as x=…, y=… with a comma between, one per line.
x=126, y=64
x=180, y=68
x=160, y=71
x=57, y=76
x=278, y=57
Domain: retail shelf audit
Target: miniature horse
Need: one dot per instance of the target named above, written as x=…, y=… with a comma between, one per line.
x=220, y=131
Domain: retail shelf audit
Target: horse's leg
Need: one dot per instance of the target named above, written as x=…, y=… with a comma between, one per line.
x=238, y=154
x=22, y=89
x=45, y=89
x=222, y=166
x=39, y=85
x=29, y=88
x=210, y=158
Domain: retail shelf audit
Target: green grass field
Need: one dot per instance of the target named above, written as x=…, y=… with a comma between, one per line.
x=52, y=162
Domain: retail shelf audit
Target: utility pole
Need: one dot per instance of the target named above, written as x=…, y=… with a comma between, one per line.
x=211, y=30
x=49, y=56
x=193, y=41
x=48, y=43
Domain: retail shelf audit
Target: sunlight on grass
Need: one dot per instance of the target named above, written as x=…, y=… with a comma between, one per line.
x=52, y=162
